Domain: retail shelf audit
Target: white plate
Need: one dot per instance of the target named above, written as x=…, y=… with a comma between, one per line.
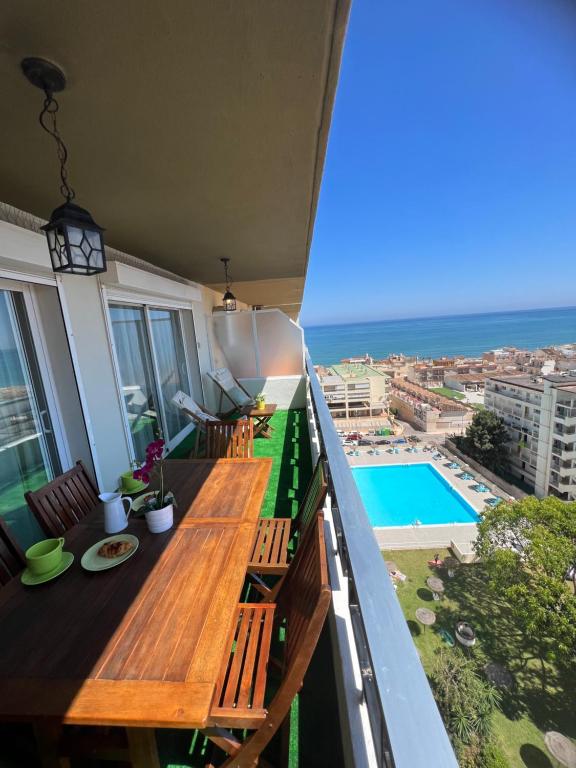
x=137, y=503
x=92, y=561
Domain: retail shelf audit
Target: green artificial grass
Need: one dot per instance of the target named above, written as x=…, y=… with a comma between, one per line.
x=451, y=393
x=535, y=705
x=289, y=449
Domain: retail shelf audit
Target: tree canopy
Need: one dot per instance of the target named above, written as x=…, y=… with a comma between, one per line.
x=529, y=548
x=485, y=441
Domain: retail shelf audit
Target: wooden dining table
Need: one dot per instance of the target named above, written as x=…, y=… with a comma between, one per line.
x=139, y=645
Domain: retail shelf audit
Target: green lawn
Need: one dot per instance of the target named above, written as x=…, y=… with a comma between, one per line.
x=451, y=393
x=537, y=704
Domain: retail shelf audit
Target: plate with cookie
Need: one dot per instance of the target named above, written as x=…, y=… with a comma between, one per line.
x=109, y=552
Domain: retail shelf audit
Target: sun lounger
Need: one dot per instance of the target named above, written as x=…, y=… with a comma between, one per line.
x=231, y=388
x=398, y=575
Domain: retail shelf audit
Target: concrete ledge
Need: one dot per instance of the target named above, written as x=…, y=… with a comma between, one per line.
x=464, y=552
x=426, y=536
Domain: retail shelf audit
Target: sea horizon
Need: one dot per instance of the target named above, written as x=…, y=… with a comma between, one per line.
x=439, y=335
x=438, y=317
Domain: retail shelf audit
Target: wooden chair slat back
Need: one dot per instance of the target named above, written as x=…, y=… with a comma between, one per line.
x=12, y=559
x=313, y=499
x=62, y=503
x=303, y=601
x=305, y=587
x=230, y=439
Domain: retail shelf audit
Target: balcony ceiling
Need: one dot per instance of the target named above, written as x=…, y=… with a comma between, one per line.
x=196, y=129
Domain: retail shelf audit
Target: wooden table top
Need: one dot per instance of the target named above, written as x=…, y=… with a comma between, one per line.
x=140, y=644
x=268, y=410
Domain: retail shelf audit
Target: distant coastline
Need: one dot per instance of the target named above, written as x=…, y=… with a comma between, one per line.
x=448, y=335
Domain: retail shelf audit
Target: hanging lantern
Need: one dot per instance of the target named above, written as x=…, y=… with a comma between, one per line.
x=228, y=300
x=74, y=239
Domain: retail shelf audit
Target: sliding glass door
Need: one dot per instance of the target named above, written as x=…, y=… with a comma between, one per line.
x=170, y=364
x=152, y=367
x=28, y=451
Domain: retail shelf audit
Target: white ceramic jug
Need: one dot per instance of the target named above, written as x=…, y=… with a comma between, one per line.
x=115, y=516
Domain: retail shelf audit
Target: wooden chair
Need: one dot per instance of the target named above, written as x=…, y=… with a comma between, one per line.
x=199, y=415
x=59, y=505
x=240, y=698
x=231, y=389
x=270, y=551
x=12, y=559
x=230, y=439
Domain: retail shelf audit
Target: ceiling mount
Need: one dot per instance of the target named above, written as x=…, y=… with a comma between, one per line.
x=43, y=74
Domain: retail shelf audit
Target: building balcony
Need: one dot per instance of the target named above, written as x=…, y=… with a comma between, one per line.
x=566, y=414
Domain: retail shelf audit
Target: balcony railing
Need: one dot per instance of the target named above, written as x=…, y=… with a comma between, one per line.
x=389, y=715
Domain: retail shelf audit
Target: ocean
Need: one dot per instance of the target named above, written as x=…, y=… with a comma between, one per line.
x=468, y=335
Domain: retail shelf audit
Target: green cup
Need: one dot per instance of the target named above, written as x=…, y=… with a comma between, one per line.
x=128, y=484
x=45, y=556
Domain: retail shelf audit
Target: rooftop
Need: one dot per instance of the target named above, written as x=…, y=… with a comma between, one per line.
x=356, y=371
x=537, y=382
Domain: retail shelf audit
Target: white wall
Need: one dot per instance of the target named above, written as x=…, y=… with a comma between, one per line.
x=65, y=386
x=285, y=391
x=84, y=313
x=264, y=350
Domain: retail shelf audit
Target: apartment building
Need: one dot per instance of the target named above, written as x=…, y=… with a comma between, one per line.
x=428, y=411
x=354, y=390
x=540, y=413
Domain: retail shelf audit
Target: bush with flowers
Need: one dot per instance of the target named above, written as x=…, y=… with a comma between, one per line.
x=153, y=465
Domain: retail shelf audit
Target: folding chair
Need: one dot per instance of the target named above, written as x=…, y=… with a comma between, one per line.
x=270, y=550
x=231, y=388
x=240, y=701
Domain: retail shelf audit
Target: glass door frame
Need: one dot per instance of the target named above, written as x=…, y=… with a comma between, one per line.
x=26, y=289
x=147, y=303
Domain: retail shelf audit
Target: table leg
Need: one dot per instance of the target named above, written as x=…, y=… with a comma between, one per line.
x=262, y=427
x=47, y=734
x=143, y=748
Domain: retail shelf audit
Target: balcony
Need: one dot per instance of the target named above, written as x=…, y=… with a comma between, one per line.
x=366, y=684
x=566, y=414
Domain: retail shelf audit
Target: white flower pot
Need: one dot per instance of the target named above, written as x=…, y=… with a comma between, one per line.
x=160, y=520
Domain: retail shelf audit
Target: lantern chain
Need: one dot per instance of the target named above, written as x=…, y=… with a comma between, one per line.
x=47, y=120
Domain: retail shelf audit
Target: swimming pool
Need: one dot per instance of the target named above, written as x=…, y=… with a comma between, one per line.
x=402, y=494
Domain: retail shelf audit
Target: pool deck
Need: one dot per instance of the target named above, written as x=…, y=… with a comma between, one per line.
x=429, y=536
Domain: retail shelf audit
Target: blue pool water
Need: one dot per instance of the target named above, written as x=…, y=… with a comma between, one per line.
x=399, y=495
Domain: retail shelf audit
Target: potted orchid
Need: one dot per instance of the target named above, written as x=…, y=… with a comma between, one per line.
x=260, y=401
x=157, y=506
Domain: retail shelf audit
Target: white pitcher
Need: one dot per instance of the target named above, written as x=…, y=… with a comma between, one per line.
x=115, y=516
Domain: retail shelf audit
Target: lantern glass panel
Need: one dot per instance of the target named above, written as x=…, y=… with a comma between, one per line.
x=75, y=235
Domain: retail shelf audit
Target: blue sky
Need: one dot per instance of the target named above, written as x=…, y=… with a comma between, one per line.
x=450, y=178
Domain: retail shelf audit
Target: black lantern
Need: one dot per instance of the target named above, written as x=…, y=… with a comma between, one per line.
x=228, y=300
x=74, y=239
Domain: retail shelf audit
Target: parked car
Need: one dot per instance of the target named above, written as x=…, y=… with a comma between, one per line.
x=364, y=442
x=382, y=442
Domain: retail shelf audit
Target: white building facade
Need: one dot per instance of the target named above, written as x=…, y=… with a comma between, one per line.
x=540, y=414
